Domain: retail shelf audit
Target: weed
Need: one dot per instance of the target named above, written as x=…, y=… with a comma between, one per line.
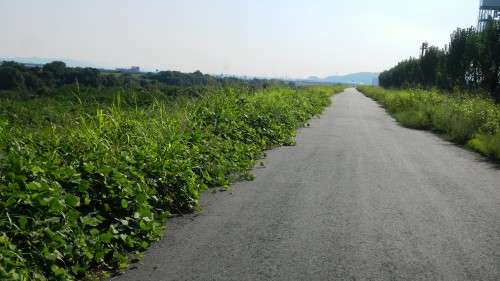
x=89, y=177
x=468, y=120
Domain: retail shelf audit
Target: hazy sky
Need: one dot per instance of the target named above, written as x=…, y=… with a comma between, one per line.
x=271, y=38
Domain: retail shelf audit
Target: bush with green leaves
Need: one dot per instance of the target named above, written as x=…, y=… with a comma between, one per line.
x=468, y=120
x=88, y=179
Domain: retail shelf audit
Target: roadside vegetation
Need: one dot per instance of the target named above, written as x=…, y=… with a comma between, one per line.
x=472, y=121
x=469, y=63
x=88, y=177
x=453, y=91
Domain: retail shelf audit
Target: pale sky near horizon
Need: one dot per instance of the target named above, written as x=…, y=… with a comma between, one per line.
x=255, y=38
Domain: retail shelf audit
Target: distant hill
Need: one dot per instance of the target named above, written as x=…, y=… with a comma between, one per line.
x=366, y=78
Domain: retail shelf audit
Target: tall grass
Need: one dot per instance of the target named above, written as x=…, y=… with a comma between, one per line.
x=467, y=120
x=88, y=179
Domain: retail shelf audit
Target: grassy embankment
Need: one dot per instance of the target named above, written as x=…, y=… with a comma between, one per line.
x=89, y=178
x=467, y=120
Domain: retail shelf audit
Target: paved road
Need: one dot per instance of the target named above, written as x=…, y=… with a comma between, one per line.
x=358, y=198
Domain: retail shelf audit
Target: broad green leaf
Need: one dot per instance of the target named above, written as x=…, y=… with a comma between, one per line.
x=71, y=200
x=119, y=256
x=124, y=204
x=34, y=185
x=4, y=239
x=70, y=172
x=145, y=213
x=106, y=237
x=23, y=220
x=83, y=186
x=57, y=206
x=92, y=221
x=76, y=268
x=89, y=168
x=35, y=169
x=99, y=256
x=140, y=198
x=57, y=270
x=123, y=236
x=73, y=215
x=48, y=255
x=89, y=254
x=113, y=229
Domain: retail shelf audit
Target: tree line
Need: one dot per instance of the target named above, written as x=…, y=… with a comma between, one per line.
x=470, y=63
x=51, y=76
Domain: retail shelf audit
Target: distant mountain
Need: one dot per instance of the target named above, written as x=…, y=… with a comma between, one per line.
x=366, y=78
x=68, y=62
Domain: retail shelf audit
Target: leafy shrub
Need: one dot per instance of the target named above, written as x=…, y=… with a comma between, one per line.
x=469, y=120
x=88, y=177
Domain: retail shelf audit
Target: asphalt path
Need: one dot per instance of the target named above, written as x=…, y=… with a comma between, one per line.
x=358, y=198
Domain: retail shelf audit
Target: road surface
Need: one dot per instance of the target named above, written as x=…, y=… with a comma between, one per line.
x=358, y=198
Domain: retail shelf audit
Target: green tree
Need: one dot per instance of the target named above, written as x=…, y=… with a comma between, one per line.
x=87, y=76
x=11, y=79
x=490, y=58
x=55, y=72
x=429, y=66
x=455, y=62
